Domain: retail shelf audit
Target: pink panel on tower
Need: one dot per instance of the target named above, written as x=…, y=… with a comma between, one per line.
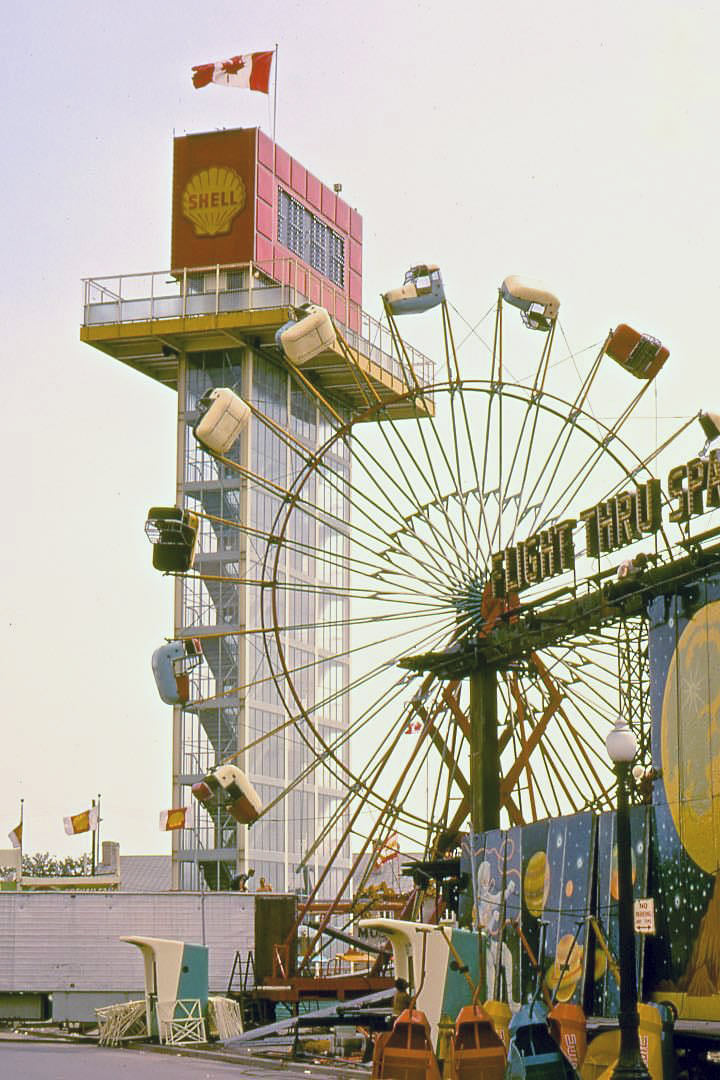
x=314, y=290
x=354, y=318
x=264, y=150
x=341, y=308
x=264, y=219
x=355, y=289
x=263, y=253
x=298, y=174
x=356, y=256
x=282, y=164
x=342, y=216
x=265, y=184
x=328, y=297
x=355, y=225
x=314, y=191
x=282, y=265
x=329, y=198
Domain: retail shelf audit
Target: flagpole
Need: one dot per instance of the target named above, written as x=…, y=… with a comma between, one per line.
x=92, y=848
x=22, y=815
x=99, y=851
x=274, y=154
x=275, y=102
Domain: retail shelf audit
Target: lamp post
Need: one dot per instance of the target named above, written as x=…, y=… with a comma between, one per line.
x=621, y=747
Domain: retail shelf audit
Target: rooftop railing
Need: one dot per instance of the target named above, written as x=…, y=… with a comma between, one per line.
x=213, y=290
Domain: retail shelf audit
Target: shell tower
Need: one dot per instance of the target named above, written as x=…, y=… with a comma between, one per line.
x=255, y=235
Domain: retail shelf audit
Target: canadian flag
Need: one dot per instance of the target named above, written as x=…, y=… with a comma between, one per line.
x=249, y=72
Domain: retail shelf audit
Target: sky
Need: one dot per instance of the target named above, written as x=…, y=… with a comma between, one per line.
x=568, y=141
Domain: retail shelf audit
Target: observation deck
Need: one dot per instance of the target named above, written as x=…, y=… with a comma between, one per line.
x=146, y=320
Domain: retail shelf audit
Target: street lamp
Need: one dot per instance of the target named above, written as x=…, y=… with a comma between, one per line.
x=621, y=747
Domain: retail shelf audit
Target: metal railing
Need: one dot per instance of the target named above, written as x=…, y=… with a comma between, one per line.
x=214, y=290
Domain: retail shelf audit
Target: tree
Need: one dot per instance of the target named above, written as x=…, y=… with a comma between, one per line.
x=43, y=864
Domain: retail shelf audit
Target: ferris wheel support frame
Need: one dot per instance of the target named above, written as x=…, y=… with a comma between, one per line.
x=484, y=750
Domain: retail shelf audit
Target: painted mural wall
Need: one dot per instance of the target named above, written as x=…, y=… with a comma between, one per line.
x=683, y=958
x=561, y=875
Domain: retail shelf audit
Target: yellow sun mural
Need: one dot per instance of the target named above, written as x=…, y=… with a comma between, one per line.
x=691, y=749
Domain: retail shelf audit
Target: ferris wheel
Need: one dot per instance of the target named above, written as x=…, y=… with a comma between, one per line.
x=424, y=531
x=418, y=514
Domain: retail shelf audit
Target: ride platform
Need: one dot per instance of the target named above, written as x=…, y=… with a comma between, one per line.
x=148, y=321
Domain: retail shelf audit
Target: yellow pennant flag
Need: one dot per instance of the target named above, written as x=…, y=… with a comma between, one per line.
x=173, y=819
x=84, y=822
x=15, y=837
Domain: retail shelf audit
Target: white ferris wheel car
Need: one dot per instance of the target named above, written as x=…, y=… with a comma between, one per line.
x=422, y=290
x=302, y=340
x=538, y=306
x=223, y=418
x=228, y=788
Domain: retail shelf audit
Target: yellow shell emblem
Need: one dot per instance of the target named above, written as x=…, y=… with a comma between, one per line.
x=212, y=198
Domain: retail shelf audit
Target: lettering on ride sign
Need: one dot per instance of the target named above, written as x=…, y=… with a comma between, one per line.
x=616, y=522
x=531, y=561
x=698, y=476
x=693, y=488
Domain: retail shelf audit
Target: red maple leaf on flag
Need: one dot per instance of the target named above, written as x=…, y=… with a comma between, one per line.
x=233, y=65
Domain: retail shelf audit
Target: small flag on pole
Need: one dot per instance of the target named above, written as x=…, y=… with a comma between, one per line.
x=389, y=850
x=173, y=819
x=84, y=822
x=15, y=837
x=248, y=72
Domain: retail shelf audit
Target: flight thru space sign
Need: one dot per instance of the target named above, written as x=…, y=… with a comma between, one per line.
x=609, y=525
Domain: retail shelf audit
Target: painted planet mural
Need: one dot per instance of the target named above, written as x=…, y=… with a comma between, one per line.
x=691, y=750
x=536, y=885
x=567, y=968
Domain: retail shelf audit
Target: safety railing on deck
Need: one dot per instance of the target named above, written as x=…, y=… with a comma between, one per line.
x=213, y=290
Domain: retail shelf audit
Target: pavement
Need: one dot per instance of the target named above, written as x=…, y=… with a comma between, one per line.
x=54, y=1048
x=32, y=1059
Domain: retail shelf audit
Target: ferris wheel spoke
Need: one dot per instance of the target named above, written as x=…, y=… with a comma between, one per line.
x=387, y=508
x=462, y=554
x=371, y=833
x=579, y=479
x=562, y=441
x=435, y=551
x=469, y=441
x=296, y=547
x=285, y=678
x=530, y=410
x=341, y=654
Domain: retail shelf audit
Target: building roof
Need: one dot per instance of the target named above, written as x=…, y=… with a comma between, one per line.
x=145, y=873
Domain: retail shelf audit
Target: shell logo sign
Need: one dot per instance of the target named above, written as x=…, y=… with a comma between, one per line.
x=211, y=200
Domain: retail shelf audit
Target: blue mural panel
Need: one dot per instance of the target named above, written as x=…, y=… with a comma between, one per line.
x=523, y=879
x=605, y=990
x=494, y=859
x=570, y=852
x=534, y=896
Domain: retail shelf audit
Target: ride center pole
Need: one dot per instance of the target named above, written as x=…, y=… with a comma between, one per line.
x=484, y=757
